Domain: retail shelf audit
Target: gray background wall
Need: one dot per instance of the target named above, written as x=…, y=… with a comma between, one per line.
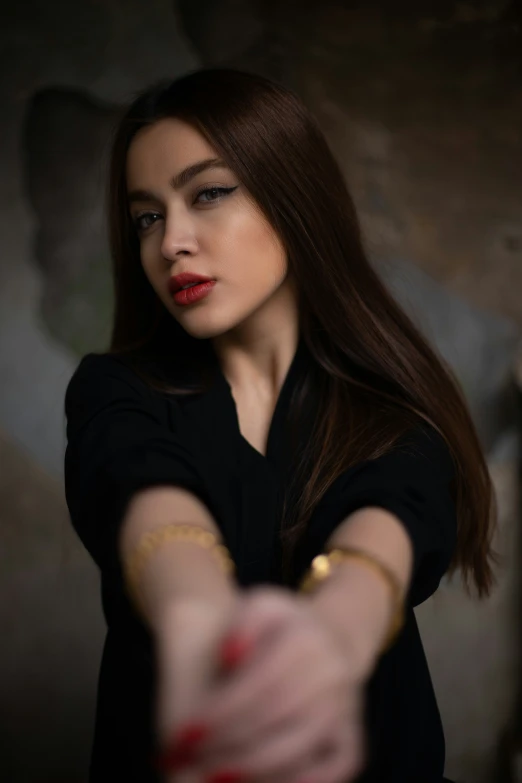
x=422, y=105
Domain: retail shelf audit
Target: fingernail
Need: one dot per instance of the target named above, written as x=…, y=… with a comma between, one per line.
x=174, y=759
x=182, y=750
x=226, y=777
x=234, y=650
x=191, y=735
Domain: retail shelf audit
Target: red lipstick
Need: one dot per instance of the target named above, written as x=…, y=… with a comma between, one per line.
x=200, y=286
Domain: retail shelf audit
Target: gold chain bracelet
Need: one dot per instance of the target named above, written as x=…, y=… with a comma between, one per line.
x=321, y=568
x=153, y=539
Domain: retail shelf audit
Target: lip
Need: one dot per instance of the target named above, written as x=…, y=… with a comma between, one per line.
x=196, y=293
x=178, y=281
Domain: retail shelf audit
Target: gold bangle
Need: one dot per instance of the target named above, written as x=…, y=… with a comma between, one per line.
x=150, y=541
x=321, y=568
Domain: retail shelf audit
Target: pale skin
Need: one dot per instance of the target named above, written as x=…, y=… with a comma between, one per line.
x=292, y=712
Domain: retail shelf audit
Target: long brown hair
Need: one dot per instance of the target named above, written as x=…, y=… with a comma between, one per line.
x=378, y=375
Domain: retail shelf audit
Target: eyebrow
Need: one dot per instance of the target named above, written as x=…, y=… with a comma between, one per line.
x=180, y=179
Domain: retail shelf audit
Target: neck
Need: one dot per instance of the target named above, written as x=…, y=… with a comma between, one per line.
x=256, y=355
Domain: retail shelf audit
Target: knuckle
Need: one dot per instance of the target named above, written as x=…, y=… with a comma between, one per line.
x=284, y=753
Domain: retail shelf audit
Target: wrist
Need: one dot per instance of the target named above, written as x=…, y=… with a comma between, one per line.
x=187, y=637
x=182, y=613
x=357, y=608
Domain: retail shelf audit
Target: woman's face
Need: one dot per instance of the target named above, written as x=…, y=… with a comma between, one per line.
x=207, y=225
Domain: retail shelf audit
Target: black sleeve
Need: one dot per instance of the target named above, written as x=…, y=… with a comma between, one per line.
x=118, y=441
x=414, y=482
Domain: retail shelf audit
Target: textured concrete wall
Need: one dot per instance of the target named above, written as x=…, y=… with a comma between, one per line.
x=51, y=629
x=422, y=107
x=49, y=601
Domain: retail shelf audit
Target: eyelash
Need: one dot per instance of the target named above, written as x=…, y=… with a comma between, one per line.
x=222, y=191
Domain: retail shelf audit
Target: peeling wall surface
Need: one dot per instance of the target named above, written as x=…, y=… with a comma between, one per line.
x=422, y=105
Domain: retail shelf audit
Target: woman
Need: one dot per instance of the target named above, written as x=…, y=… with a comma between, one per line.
x=281, y=408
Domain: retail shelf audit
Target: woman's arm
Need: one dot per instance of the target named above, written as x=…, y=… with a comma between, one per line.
x=127, y=472
x=313, y=655
x=179, y=574
x=355, y=597
x=400, y=508
x=186, y=598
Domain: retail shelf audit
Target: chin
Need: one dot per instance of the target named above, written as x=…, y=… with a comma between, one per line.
x=205, y=328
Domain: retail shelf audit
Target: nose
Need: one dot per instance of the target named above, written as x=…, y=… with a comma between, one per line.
x=179, y=238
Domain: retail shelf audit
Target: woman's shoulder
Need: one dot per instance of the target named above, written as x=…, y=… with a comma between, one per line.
x=98, y=365
x=97, y=371
x=113, y=381
x=106, y=382
x=421, y=451
x=146, y=373
x=426, y=446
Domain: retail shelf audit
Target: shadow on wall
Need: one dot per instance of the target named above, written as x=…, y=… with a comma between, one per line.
x=66, y=140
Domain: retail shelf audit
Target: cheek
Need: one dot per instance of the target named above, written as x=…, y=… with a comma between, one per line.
x=272, y=264
x=262, y=258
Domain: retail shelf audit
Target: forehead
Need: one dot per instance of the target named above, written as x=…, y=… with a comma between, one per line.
x=161, y=149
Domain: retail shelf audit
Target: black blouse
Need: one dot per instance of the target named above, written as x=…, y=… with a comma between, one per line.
x=122, y=436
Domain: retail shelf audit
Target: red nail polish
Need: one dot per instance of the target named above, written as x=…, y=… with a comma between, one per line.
x=191, y=735
x=182, y=750
x=226, y=777
x=234, y=650
x=175, y=758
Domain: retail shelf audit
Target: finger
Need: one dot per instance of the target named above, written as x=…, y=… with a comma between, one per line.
x=188, y=708
x=234, y=650
x=261, y=611
x=276, y=753
x=275, y=686
x=282, y=702
x=248, y=635
x=230, y=697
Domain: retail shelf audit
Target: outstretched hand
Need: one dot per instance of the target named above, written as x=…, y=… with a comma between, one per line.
x=289, y=712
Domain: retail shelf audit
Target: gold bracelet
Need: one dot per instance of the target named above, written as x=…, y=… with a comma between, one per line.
x=150, y=541
x=321, y=568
